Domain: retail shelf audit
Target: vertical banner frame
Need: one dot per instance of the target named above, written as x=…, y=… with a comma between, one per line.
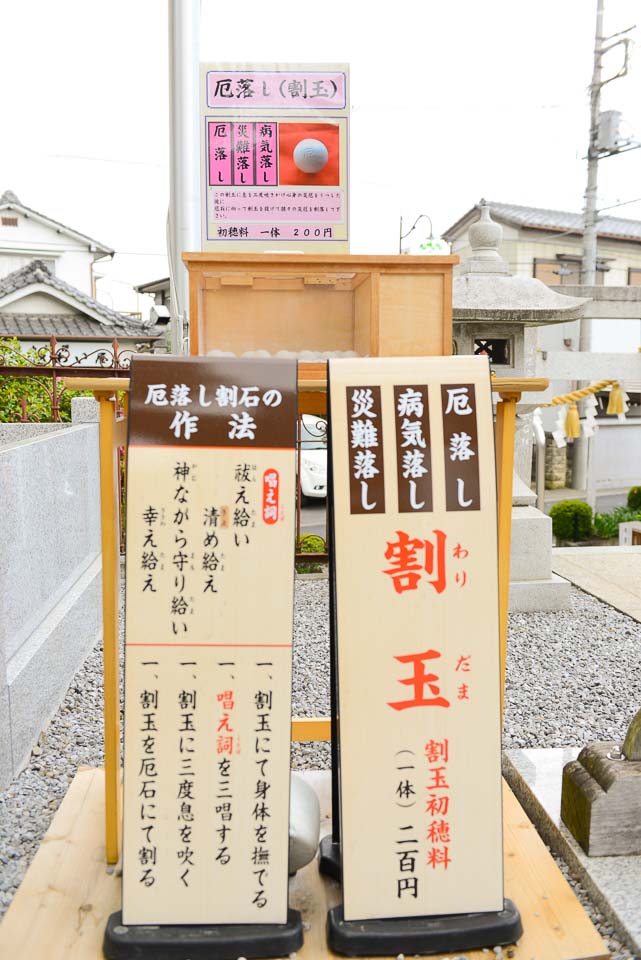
x=218, y=421
x=454, y=896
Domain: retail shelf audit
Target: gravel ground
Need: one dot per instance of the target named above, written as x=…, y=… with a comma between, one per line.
x=571, y=677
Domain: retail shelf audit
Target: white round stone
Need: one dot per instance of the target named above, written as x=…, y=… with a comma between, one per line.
x=310, y=155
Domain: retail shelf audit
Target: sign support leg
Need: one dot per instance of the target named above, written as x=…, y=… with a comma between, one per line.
x=330, y=846
x=110, y=569
x=505, y=432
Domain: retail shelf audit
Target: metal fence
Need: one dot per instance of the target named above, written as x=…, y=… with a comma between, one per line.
x=48, y=367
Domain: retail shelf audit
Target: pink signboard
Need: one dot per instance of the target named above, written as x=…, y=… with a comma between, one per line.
x=275, y=156
x=243, y=154
x=250, y=206
x=318, y=89
x=220, y=153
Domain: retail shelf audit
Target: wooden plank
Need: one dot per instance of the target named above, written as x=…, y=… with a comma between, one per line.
x=314, y=403
x=504, y=432
x=109, y=512
x=502, y=385
x=343, y=261
x=555, y=925
x=316, y=372
x=554, y=922
x=62, y=906
x=311, y=728
x=101, y=385
x=61, y=909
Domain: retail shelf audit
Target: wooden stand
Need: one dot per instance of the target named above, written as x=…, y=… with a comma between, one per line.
x=61, y=909
x=312, y=398
x=375, y=306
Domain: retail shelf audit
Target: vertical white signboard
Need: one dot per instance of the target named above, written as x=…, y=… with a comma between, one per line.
x=418, y=636
x=210, y=541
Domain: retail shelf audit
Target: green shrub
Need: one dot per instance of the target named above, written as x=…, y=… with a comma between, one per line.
x=571, y=520
x=634, y=498
x=311, y=543
x=607, y=524
x=309, y=568
x=36, y=391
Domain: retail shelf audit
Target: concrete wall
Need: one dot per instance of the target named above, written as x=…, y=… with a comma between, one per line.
x=618, y=454
x=11, y=433
x=50, y=588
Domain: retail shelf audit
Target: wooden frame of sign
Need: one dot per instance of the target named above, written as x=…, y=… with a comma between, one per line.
x=73, y=884
x=210, y=523
x=369, y=305
x=415, y=647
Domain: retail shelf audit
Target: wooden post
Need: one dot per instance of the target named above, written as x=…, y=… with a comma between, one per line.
x=505, y=430
x=110, y=569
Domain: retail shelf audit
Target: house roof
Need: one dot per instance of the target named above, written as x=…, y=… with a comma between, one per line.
x=9, y=201
x=153, y=286
x=96, y=318
x=61, y=326
x=555, y=221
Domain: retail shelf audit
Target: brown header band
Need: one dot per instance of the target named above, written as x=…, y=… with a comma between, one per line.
x=413, y=449
x=365, y=450
x=213, y=402
x=461, y=447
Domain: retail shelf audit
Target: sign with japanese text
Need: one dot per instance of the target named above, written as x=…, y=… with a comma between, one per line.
x=210, y=542
x=417, y=634
x=275, y=157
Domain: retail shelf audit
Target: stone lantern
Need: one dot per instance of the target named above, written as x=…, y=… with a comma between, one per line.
x=496, y=313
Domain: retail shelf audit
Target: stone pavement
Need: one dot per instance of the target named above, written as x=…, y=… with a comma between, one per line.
x=613, y=574
x=613, y=883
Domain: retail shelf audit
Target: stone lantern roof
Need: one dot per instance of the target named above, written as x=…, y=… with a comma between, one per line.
x=486, y=290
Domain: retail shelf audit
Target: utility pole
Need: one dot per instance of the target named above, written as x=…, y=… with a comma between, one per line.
x=590, y=213
x=596, y=151
x=183, y=224
x=588, y=267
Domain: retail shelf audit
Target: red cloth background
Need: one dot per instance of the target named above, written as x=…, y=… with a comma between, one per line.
x=289, y=136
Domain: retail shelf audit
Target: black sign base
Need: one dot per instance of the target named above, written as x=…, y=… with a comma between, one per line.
x=202, y=942
x=329, y=863
x=421, y=935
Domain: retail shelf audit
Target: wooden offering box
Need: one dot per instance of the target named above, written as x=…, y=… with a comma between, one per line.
x=369, y=306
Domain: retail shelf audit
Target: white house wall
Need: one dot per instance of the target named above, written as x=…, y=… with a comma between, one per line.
x=19, y=245
x=38, y=303
x=521, y=247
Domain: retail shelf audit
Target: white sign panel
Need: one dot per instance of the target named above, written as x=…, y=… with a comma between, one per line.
x=418, y=636
x=210, y=541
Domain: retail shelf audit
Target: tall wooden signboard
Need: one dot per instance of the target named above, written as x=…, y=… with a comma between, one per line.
x=417, y=632
x=209, y=581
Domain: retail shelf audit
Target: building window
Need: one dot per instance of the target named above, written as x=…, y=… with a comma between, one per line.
x=9, y=221
x=497, y=349
x=547, y=271
x=565, y=271
x=634, y=276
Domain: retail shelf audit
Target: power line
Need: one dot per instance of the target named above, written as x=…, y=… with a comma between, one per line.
x=623, y=203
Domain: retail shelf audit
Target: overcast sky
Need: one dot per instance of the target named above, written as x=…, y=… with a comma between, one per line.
x=450, y=102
